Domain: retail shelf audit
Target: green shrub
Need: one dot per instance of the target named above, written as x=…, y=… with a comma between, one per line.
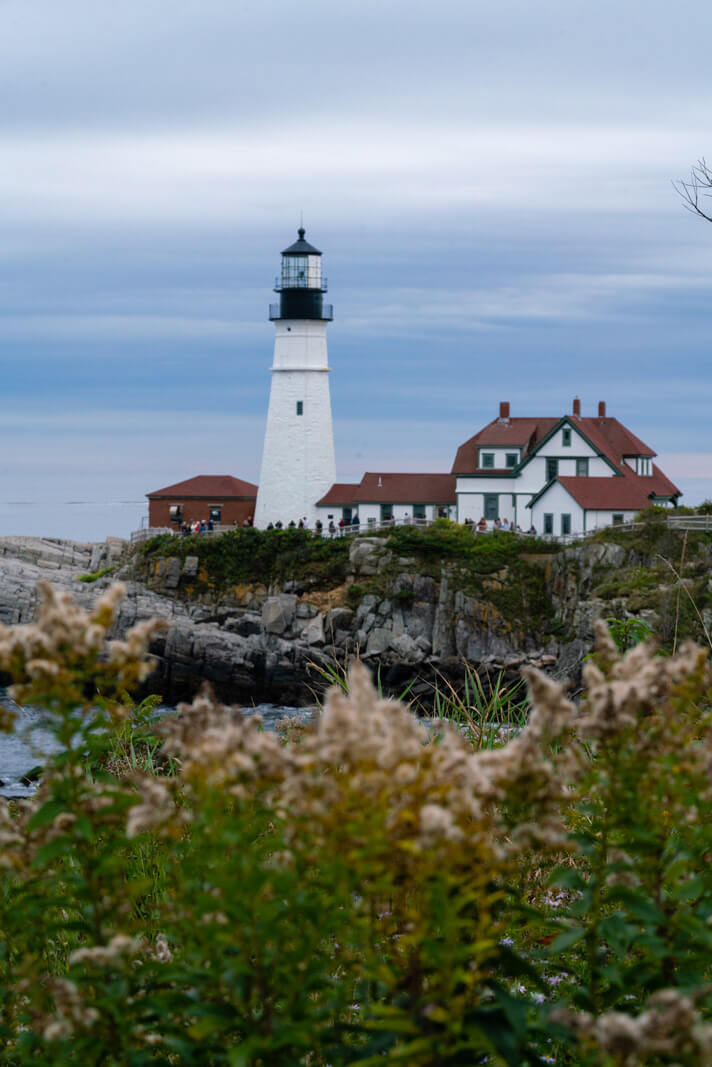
x=362, y=890
x=94, y=576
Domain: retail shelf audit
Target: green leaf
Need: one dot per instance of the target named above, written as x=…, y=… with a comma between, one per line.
x=52, y=850
x=567, y=878
x=47, y=814
x=566, y=939
x=639, y=905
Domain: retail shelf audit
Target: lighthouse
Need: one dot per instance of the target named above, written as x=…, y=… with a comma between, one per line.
x=298, y=464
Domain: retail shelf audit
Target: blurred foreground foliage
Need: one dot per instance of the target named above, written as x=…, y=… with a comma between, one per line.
x=360, y=891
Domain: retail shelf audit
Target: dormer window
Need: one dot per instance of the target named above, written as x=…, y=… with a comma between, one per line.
x=642, y=465
x=487, y=460
x=511, y=459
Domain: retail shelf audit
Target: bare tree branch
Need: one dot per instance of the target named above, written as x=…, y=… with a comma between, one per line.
x=693, y=190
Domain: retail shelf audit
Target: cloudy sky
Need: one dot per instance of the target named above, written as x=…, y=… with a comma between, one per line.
x=489, y=181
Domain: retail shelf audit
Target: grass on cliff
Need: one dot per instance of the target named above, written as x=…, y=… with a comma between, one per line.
x=249, y=555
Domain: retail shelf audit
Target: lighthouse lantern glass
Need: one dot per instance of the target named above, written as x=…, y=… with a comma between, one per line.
x=301, y=272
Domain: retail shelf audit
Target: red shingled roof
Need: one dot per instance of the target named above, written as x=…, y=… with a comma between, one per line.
x=630, y=493
x=393, y=489
x=208, y=486
x=521, y=433
x=406, y=489
x=340, y=495
x=609, y=436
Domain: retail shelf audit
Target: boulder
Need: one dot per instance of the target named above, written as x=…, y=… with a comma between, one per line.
x=244, y=625
x=339, y=619
x=406, y=648
x=305, y=610
x=368, y=603
x=278, y=613
x=369, y=555
x=172, y=573
x=313, y=632
x=190, y=567
x=378, y=641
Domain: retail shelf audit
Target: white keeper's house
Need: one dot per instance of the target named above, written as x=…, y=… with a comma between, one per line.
x=571, y=474
x=566, y=475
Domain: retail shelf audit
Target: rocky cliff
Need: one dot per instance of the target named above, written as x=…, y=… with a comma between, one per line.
x=416, y=620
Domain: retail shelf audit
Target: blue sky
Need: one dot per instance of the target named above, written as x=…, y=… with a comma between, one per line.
x=489, y=183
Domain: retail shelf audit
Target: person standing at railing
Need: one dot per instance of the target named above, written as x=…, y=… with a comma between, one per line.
x=318, y=527
x=355, y=522
x=342, y=526
x=482, y=525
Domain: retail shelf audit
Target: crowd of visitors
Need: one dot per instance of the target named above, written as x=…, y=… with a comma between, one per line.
x=333, y=529
x=208, y=525
x=499, y=524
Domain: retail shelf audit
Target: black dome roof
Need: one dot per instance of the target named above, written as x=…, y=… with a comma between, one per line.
x=301, y=247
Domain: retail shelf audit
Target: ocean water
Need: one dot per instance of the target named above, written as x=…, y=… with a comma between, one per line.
x=31, y=744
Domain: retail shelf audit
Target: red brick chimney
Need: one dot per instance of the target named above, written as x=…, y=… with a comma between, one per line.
x=601, y=409
x=504, y=409
x=577, y=407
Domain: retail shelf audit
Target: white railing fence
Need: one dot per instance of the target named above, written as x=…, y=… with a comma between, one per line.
x=674, y=522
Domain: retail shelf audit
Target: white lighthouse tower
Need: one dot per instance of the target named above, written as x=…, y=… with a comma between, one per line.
x=298, y=464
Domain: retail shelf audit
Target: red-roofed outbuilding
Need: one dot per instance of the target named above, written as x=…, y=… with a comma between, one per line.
x=226, y=500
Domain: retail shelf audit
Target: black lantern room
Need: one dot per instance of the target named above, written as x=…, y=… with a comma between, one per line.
x=301, y=284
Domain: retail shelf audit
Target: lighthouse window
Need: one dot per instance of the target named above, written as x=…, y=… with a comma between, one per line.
x=300, y=407
x=294, y=272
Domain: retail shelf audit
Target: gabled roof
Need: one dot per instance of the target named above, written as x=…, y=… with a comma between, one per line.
x=613, y=438
x=609, y=437
x=208, y=486
x=521, y=433
x=631, y=492
x=340, y=495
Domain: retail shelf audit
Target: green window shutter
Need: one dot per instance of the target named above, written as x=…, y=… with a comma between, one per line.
x=566, y=436
x=552, y=468
x=566, y=524
x=548, y=524
x=300, y=407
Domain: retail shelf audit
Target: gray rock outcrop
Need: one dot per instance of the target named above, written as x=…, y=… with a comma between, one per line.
x=264, y=644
